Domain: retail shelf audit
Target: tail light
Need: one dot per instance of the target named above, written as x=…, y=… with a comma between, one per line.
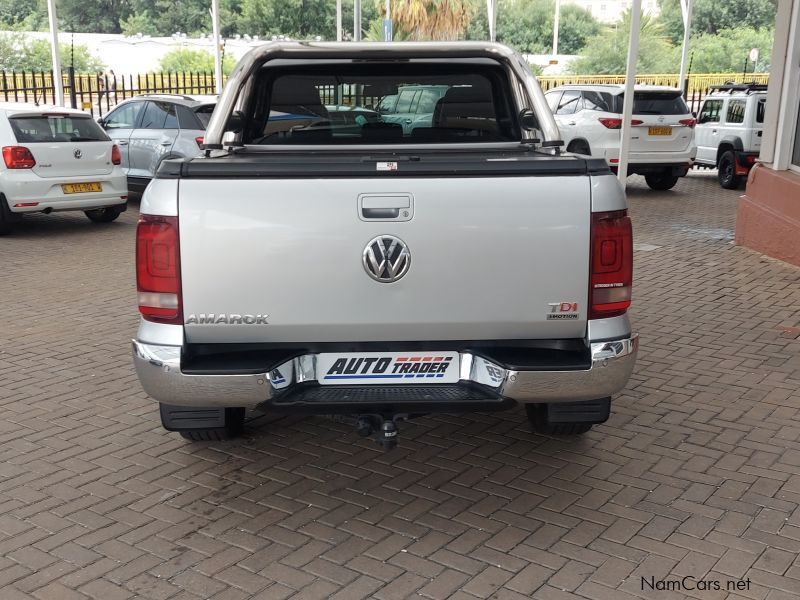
x=199, y=141
x=611, y=277
x=688, y=122
x=613, y=123
x=610, y=123
x=116, y=157
x=750, y=159
x=18, y=157
x=158, y=269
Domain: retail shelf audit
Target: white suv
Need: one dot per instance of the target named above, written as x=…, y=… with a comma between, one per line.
x=729, y=130
x=57, y=159
x=662, y=137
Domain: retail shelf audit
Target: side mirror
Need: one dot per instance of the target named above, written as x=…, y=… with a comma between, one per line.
x=101, y=121
x=694, y=114
x=528, y=120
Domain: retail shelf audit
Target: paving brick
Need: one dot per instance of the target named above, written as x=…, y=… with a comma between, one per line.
x=695, y=471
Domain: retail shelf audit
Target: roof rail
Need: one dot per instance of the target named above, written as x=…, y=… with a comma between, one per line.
x=731, y=86
x=162, y=94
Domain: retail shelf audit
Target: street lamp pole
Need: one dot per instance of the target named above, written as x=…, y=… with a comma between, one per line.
x=356, y=20
x=58, y=84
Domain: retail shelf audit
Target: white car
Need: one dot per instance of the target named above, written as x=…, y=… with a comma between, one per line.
x=662, y=134
x=57, y=159
x=729, y=130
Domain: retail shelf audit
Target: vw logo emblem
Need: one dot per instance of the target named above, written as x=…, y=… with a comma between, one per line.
x=660, y=118
x=386, y=258
x=77, y=153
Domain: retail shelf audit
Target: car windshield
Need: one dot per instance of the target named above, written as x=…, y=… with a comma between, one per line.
x=382, y=104
x=655, y=103
x=32, y=129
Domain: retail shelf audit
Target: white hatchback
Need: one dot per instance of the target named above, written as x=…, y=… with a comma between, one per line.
x=662, y=133
x=57, y=159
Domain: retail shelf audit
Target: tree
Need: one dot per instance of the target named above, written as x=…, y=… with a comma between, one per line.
x=727, y=51
x=432, y=19
x=96, y=16
x=298, y=19
x=20, y=53
x=185, y=60
x=607, y=53
x=712, y=16
x=528, y=26
x=21, y=14
x=140, y=22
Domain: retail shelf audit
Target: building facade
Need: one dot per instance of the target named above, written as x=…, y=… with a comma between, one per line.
x=768, y=215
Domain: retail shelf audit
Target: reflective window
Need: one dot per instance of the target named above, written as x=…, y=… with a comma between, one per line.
x=552, y=100
x=56, y=128
x=123, y=117
x=569, y=103
x=735, y=112
x=760, y=110
x=711, y=112
x=155, y=115
x=602, y=102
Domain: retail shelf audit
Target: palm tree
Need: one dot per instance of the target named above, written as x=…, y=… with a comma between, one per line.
x=432, y=19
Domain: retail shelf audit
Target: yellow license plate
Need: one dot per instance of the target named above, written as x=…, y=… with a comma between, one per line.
x=660, y=130
x=81, y=188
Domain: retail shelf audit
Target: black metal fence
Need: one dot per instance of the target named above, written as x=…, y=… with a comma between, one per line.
x=98, y=93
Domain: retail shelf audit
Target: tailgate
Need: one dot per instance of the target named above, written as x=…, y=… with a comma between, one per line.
x=490, y=258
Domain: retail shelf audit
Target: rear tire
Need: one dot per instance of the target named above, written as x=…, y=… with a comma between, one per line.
x=726, y=174
x=103, y=215
x=661, y=181
x=233, y=428
x=6, y=222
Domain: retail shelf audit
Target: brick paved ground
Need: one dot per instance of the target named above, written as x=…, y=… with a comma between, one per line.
x=697, y=472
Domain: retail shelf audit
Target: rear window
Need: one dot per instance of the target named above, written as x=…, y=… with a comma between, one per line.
x=203, y=114
x=379, y=104
x=760, y=110
x=655, y=103
x=56, y=128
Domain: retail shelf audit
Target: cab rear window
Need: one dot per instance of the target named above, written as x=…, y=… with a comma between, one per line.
x=383, y=104
x=32, y=129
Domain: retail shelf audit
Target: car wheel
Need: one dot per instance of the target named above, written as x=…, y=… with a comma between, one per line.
x=234, y=425
x=580, y=147
x=661, y=181
x=6, y=224
x=103, y=215
x=726, y=175
x=539, y=422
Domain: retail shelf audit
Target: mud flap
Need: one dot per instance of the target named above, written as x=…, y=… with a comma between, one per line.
x=590, y=411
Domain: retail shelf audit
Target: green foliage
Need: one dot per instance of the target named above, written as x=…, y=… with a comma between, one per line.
x=22, y=14
x=712, y=16
x=94, y=16
x=527, y=25
x=726, y=52
x=182, y=60
x=18, y=53
x=138, y=23
x=607, y=53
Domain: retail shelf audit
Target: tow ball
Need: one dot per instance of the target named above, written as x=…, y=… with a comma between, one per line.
x=384, y=429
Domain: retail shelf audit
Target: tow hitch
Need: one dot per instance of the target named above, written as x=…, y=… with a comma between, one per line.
x=384, y=429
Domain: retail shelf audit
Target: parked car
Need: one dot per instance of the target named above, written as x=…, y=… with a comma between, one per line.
x=151, y=128
x=729, y=130
x=662, y=133
x=57, y=159
x=412, y=106
x=464, y=266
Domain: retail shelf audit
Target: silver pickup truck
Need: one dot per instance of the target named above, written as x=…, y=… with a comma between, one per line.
x=306, y=264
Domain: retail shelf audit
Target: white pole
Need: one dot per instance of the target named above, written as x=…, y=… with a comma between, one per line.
x=686, y=8
x=356, y=20
x=338, y=20
x=217, y=49
x=556, y=21
x=491, y=13
x=630, y=79
x=58, y=84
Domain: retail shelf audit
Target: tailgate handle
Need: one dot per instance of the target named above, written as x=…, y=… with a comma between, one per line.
x=385, y=207
x=380, y=213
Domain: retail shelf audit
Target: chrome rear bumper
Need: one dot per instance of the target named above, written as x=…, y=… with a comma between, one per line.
x=159, y=370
